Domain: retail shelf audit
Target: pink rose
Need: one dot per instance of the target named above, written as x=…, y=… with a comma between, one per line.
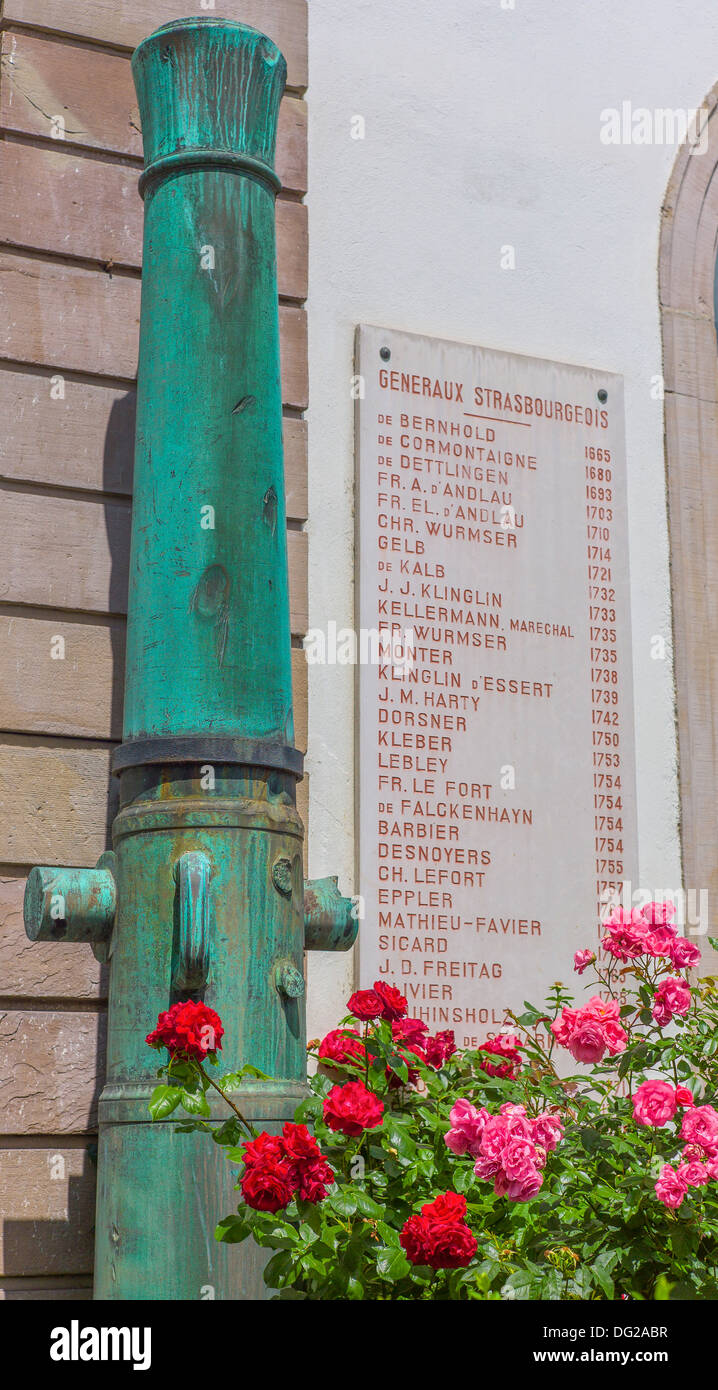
x=700, y=1126
x=493, y=1139
x=487, y=1167
x=684, y=1096
x=582, y=959
x=670, y=1188
x=590, y=1031
x=563, y=1027
x=660, y=942
x=467, y=1126
x=693, y=1174
x=607, y=1010
x=673, y=996
x=626, y=933
x=626, y=917
x=624, y=942
x=587, y=1042
x=547, y=1130
x=510, y=1153
x=615, y=1036
x=523, y=1191
x=659, y=914
x=518, y=1159
x=684, y=954
x=654, y=1103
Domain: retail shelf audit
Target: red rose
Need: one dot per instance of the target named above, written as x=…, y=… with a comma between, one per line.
x=365, y=1004
x=413, y=1239
x=298, y=1144
x=268, y=1186
x=438, y=1049
x=439, y=1237
x=448, y=1206
x=314, y=1180
x=278, y=1167
x=342, y=1045
x=393, y=1002
x=188, y=1030
x=351, y=1109
x=450, y=1246
x=506, y=1047
x=409, y=1030
x=438, y=1244
x=266, y=1148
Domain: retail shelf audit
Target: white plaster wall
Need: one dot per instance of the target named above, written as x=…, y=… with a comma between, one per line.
x=483, y=129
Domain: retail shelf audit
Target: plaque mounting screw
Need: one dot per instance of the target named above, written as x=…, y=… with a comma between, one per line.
x=385, y=354
x=602, y=395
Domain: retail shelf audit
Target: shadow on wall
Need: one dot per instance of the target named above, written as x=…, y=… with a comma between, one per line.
x=51, y=1256
x=54, y=1250
x=118, y=462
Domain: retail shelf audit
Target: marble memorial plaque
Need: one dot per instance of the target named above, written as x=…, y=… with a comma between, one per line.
x=495, y=710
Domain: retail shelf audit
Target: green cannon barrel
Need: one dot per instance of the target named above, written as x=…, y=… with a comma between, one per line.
x=208, y=645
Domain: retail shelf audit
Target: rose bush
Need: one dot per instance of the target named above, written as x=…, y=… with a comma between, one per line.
x=497, y=1172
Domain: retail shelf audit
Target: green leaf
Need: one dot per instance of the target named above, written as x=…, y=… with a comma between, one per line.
x=593, y=1141
x=164, y=1100
x=231, y=1230
x=183, y=1072
x=310, y=1215
x=391, y=1262
x=398, y=1066
x=195, y=1104
x=518, y=1285
x=232, y=1080
x=308, y=1110
x=463, y=1178
x=307, y=1234
x=229, y=1133
x=602, y=1275
x=366, y=1206
x=343, y=1202
x=625, y=1062
x=684, y=1292
x=683, y=1240
x=396, y=1136
x=388, y=1234
x=553, y=1285
x=279, y=1265
x=249, y=1070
